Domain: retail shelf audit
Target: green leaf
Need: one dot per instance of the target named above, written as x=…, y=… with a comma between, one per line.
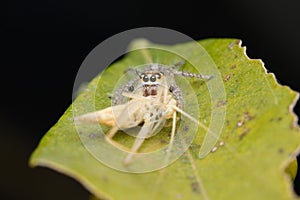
x=259, y=132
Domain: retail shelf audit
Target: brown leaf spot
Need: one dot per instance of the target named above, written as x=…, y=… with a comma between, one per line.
x=244, y=133
x=105, y=179
x=93, y=136
x=162, y=141
x=195, y=187
x=186, y=128
x=221, y=103
x=227, y=78
x=231, y=45
x=178, y=196
x=240, y=123
x=280, y=150
x=247, y=116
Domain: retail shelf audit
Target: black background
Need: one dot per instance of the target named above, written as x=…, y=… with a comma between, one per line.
x=44, y=42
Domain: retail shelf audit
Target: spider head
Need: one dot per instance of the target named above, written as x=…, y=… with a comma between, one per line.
x=151, y=81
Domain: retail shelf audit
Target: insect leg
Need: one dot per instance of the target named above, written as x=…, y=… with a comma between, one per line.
x=138, y=141
x=172, y=132
x=112, y=132
x=194, y=120
x=109, y=139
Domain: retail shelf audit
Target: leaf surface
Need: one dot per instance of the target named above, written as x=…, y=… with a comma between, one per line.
x=258, y=130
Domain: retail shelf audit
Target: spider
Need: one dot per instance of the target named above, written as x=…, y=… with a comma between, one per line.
x=152, y=98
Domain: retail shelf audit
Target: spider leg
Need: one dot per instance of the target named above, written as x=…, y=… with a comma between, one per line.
x=117, y=97
x=193, y=75
x=177, y=65
x=134, y=96
x=176, y=91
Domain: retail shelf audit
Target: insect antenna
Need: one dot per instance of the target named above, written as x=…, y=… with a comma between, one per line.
x=194, y=120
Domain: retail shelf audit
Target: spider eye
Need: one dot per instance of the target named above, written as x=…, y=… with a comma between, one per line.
x=158, y=75
x=145, y=78
x=152, y=78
